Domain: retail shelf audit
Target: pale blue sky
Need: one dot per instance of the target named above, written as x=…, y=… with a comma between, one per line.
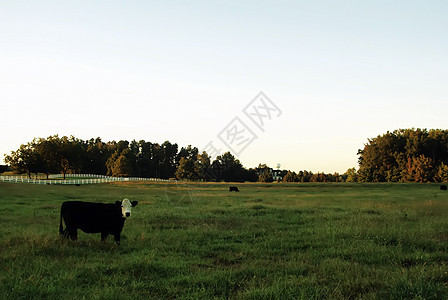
x=340, y=71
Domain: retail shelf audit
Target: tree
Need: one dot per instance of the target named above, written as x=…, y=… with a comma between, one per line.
x=167, y=163
x=188, y=166
x=187, y=169
x=379, y=156
x=228, y=168
x=25, y=159
x=48, y=153
x=352, y=175
x=250, y=175
x=96, y=155
x=145, y=160
x=120, y=163
x=152, y=158
x=3, y=168
x=290, y=177
x=71, y=155
x=188, y=153
x=306, y=176
x=266, y=176
x=319, y=177
x=403, y=155
x=336, y=177
x=203, y=166
x=418, y=169
x=442, y=173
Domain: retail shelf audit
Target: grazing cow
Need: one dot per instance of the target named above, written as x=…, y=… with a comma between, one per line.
x=443, y=187
x=106, y=218
x=233, y=189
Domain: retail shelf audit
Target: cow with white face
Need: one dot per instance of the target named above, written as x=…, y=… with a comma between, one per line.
x=126, y=207
x=92, y=217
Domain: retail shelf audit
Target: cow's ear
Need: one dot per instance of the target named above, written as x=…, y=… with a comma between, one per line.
x=118, y=202
x=134, y=203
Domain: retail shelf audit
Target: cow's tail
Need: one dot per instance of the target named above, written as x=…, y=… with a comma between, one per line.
x=61, y=229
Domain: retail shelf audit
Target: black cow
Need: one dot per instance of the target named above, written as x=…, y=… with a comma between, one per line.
x=106, y=218
x=443, y=187
x=233, y=189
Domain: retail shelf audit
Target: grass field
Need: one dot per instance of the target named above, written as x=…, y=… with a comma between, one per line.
x=198, y=241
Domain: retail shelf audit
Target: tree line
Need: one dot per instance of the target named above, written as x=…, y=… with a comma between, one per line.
x=70, y=155
x=405, y=155
x=67, y=155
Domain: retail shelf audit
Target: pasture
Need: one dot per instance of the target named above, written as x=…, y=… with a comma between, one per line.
x=198, y=241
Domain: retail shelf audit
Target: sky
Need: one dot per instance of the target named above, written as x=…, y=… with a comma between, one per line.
x=332, y=74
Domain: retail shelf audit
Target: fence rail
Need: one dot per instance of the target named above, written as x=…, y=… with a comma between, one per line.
x=75, y=179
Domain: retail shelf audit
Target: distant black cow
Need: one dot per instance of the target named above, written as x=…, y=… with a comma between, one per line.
x=233, y=189
x=443, y=187
x=106, y=218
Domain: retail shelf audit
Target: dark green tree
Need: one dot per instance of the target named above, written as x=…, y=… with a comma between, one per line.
x=120, y=164
x=226, y=167
x=290, y=177
x=188, y=152
x=203, y=166
x=403, y=155
x=250, y=175
x=26, y=159
x=3, y=168
x=96, y=156
x=187, y=169
x=266, y=175
x=167, y=164
x=352, y=175
x=442, y=173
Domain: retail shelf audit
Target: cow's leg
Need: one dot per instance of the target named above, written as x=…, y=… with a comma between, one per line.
x=73, y=233
x=117, y=238
x=65, y=234
x=104, y=236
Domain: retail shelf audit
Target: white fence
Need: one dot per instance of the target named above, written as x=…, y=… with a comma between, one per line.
x=74, y=179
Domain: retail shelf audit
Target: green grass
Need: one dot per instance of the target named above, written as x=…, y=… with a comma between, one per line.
x=198, y=241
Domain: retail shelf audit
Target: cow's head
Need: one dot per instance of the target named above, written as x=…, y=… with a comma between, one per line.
x=126, y=207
